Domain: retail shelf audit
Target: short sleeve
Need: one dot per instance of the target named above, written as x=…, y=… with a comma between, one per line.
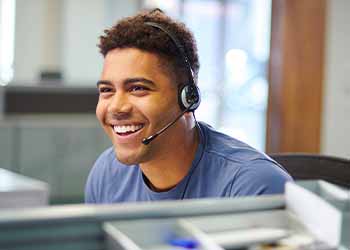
x=259, y=177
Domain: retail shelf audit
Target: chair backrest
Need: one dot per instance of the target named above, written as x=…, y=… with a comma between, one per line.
x=309, y=166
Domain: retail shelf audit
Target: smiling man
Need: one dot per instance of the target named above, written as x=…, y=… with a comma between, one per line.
x=147, y=97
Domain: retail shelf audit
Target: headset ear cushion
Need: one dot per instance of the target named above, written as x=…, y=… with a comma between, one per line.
x=189, y=96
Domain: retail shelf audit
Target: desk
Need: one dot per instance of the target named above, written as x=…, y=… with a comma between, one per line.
x=18, y=191
x=212, y=223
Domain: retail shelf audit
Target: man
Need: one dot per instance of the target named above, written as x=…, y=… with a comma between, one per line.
x=147, y=98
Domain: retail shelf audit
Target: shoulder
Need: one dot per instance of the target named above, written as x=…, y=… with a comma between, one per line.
x=103, y=162
x=110, y=180
x=259, y=177
x=220, y=145
x=107, y=156
x=249, y=171
x=98, y=174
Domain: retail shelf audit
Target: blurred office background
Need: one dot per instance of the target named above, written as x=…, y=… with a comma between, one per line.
x=291, y=55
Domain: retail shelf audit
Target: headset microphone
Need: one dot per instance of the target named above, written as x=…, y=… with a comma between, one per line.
x=147, y=140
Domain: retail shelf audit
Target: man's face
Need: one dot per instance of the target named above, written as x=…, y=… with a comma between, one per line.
x=136, y=99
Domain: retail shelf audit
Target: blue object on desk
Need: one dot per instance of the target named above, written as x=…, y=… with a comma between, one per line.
x=184, y=242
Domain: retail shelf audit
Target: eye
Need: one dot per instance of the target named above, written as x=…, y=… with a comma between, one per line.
x=137, y=88
x=104, y=89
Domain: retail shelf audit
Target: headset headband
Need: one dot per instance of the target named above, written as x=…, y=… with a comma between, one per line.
x=178, y=45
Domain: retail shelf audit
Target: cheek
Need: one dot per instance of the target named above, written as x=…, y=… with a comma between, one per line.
x=101, y=110
x=160, y=109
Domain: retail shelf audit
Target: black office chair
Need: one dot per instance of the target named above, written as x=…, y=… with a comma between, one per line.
x=309, y=166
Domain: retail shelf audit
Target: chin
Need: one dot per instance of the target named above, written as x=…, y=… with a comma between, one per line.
x=128, y=158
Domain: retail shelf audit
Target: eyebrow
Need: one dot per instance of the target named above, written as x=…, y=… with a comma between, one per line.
x=128, y=81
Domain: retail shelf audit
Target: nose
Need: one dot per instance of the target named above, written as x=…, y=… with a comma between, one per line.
x=119, y=104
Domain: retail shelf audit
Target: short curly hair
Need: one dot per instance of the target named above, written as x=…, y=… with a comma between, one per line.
x=132, y=32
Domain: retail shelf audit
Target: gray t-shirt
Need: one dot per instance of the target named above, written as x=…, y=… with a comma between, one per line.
x=223, y=167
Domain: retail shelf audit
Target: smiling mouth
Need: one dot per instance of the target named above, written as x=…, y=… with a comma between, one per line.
x=126, y=129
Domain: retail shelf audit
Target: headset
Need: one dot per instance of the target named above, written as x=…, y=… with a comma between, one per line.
x=188, y=94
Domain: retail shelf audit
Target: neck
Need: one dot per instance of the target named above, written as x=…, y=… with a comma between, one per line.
x=173, y=161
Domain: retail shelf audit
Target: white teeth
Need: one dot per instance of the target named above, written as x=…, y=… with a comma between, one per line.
x=126, y=128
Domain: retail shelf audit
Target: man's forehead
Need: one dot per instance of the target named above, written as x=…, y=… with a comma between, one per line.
x=136, y=61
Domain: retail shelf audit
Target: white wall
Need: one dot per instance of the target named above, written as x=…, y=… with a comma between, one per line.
x=29, y=39
x=335, y=139
x=62, y=35
x=84, y=22
x=52, y=50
